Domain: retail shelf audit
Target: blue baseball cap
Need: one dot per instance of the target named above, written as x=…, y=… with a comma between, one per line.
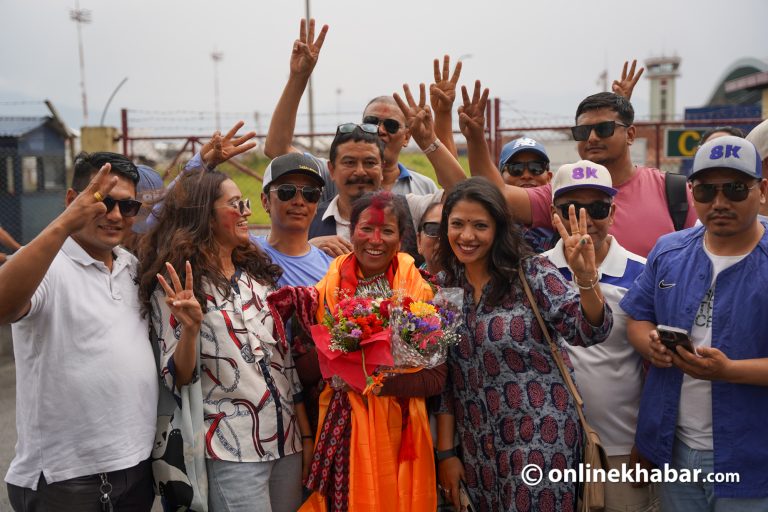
x=728, y=152
x=516, y=146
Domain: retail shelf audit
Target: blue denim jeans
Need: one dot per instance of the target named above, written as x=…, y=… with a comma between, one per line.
x=273, y=486
x=700, y=496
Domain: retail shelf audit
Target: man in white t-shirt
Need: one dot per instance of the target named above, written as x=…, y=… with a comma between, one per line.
x=86, y=381
x=707, y=412
x=614, y=364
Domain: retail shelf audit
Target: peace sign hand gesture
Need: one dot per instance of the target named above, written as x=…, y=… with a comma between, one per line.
x=578, y=248
x=306, y=49
x=418, y=117
x=442, y=93
x=472, y=113
x=89, y=203
x=626, y=85
x=182, y=301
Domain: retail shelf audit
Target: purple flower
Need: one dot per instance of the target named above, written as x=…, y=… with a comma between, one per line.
x=356, y=333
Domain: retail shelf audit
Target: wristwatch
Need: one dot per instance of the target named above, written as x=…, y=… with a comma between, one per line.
x=441, y=455
x=432, y=147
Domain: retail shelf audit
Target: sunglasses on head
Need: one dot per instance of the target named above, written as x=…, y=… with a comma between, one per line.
x=286, y=192
x=733, y=191
x=516, y=169
x=391, y=125
x=602, y=130
x=241, y=205
x=350, y=127
x=128, y=207
x=597, y=210
x=431, y=229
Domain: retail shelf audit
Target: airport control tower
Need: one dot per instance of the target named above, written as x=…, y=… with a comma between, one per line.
x=662, y=72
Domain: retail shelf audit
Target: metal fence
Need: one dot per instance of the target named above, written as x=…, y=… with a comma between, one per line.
x=33, y=183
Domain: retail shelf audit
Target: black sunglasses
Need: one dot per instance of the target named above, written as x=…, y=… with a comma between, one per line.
x=128, y=207
x=516, y=169
x=286, y=192
x=350, y=127
x=602, y=130
x=391, y=125
x=430, y=229
x=597, y=210
x=241, y=205
x=733, y=191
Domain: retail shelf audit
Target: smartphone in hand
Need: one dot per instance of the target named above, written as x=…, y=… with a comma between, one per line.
x=671, y=337
x=466, y=503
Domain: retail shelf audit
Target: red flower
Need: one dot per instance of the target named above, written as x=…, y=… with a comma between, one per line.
x=407, y=303
x=384, y=308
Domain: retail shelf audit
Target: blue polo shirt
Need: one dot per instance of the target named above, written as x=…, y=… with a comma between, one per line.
x=676, y=277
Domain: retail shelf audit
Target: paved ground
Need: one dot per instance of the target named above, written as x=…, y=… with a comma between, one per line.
x=7, y=421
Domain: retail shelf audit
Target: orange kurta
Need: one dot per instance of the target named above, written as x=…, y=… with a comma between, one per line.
x=377, y=481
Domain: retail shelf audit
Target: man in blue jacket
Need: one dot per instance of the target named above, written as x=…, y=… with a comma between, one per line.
x=707, y=412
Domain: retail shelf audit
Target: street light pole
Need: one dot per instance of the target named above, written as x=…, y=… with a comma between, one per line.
x=311, y=101
x=216, y=56
x=80, y=16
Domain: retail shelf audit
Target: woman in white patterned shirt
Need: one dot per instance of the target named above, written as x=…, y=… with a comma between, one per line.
x=254, y=420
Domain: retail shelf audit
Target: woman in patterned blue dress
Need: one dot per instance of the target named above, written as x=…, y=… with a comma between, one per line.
x=505, y=397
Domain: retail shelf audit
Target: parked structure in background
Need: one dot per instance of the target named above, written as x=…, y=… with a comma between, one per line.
x=35, y=154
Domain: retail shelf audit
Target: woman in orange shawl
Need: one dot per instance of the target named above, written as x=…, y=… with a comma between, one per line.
x=372, y=452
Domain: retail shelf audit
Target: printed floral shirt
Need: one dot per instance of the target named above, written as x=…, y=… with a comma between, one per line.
x=249, y=381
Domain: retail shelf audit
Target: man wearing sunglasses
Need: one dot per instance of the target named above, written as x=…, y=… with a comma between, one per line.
x=291, y=190
x=613, y=364
x=708, y=411
x=524, y=163
x=86, y=380
x=604, y=133
x=381, y=112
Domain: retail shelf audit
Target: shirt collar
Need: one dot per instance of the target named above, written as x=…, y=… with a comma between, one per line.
x=614, y=264
x=75, y=252
x=404, y=173
x=333, y=211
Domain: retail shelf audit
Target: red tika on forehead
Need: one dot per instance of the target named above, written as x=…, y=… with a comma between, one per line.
x=379, y=204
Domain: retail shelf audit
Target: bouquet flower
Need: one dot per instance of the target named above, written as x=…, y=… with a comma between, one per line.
x=422, y=331
x=354, y=340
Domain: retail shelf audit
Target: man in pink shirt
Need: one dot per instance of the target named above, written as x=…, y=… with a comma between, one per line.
x=604, y=132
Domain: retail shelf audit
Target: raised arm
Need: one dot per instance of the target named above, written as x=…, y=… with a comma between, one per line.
x=306, y=50
x=472, y=125
x=626, y=85
x=442, y=94
x=21, y=275
x=418, y=118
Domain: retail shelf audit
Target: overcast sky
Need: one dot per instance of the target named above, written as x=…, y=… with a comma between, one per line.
x=541, y=57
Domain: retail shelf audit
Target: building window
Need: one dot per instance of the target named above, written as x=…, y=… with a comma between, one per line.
x=29, y=173
x=9, y=181
x=54, y=173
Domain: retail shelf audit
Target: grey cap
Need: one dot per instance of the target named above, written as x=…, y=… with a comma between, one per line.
x=728, y=152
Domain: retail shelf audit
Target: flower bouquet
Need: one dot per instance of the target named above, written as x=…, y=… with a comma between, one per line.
x=354, y=340
x=423, y=330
